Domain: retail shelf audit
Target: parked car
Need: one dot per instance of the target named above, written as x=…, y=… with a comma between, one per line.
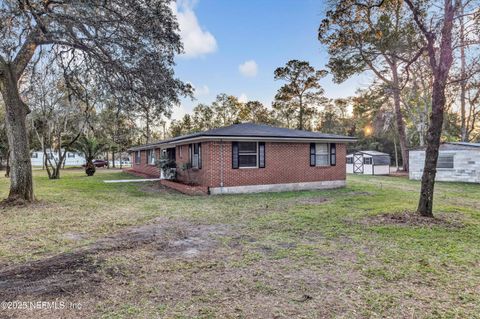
x=99, y=163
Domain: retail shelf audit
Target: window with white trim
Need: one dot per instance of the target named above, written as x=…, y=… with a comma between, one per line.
x=151, y=157
x=247, y=154
x=70, y=155
x=137, y=157
x=196, y=155
x=367, y=160
x=322, y=154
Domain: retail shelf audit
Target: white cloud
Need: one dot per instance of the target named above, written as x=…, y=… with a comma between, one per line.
x=243, y=98
x=202, y=90
x=199, y=90
x=196, y=41
x=178, y=112
x=248, y=68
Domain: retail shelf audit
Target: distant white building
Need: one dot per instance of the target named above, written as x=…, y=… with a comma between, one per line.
x=71, y=158
x=123, y=163
x=457, y=162
x=368, y=163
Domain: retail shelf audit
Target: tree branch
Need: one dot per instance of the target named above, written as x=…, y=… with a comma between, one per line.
x=26, y=53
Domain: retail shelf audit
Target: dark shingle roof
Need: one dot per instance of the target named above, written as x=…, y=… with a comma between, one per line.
x=260, y=130
x=254, y=130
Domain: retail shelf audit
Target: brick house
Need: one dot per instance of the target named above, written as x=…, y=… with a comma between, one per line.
x=249, y=158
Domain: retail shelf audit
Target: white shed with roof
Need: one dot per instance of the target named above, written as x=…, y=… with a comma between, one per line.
x=368, y=163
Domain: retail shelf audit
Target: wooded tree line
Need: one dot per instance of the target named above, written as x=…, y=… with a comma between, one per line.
x=370, y=115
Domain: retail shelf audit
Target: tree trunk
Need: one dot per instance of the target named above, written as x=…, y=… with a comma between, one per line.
x=425, y=205
x=62, y=157
x=396, y=152
x=148, y=127
x=400, y=123
x=21, y=183
x=463, y=81
x=113, y=159
x=421, y=137
x=300, y=115
x=441, y=69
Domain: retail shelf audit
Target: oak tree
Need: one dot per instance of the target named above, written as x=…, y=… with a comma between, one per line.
x=129, y=43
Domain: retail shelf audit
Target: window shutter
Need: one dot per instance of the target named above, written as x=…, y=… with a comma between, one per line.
x=234, y=154
x=199, y=155
x=190, y=154
x=333, y=154
x=261, y=154
x=312, y=154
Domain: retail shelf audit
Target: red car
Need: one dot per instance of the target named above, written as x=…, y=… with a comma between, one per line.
x=99, y=163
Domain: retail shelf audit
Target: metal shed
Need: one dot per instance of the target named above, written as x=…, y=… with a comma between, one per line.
x=368, y=163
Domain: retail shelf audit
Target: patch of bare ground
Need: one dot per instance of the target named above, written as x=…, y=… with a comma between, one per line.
x=78, y=272
x=155, y=188
x=358, y=193
x=20, y=203
x=399, y=174
x=55, y=276
x=408, y=218
x=230, y=282
x=313, y=200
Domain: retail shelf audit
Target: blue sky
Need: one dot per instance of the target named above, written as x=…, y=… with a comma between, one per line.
x=219, y=36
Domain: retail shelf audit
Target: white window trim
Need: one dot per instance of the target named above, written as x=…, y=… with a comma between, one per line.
x=195, y=165
x=327, y=154
x=139, y=157
x=151, y=156
x=250, y=153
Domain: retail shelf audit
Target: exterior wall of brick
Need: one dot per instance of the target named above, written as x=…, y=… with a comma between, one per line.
x=186, y=189
x=143, y=168
x=285, y=163
x=192, y=176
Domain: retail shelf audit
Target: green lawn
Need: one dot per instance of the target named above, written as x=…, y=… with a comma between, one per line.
x=311, y=254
